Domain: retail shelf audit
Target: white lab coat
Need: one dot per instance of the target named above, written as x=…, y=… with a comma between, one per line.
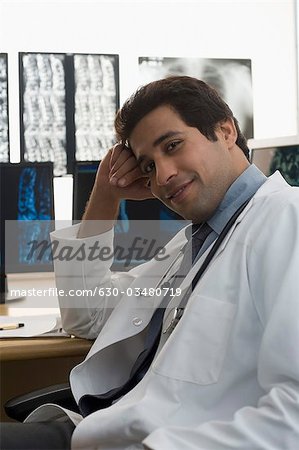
x=228, y=376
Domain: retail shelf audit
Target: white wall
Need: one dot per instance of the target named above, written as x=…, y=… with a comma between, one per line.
x=262, y=30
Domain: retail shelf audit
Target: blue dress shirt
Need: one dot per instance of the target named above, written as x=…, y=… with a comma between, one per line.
x=242, y=189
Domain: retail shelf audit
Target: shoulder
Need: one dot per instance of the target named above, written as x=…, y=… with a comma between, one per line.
x=276, y=189
x=275, y=198
x=272, y=219
x=271, y=216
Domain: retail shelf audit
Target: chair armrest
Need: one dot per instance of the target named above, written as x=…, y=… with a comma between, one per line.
x=20, y=407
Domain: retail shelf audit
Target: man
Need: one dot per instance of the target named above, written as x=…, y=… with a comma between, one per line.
x=227, y=375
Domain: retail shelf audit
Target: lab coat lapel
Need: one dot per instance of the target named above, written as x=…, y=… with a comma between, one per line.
x=133, y=313
x=128, y=318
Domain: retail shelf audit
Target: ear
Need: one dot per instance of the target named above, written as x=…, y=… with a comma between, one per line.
x=228, y=132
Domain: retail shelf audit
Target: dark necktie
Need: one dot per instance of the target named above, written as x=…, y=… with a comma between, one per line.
x=88, y=403
x=196, y=235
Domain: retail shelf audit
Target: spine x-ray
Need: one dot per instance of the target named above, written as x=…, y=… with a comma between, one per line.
x=96, y=100
x=4, y=140
x=44, y=119
x=34, y=205
x=68, y=104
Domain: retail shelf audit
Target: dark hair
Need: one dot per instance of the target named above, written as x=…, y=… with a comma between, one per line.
x=198, y=104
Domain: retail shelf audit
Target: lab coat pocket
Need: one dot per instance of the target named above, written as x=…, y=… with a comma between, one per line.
x=196, y=350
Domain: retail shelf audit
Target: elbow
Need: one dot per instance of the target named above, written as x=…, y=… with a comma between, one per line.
x=80, y=325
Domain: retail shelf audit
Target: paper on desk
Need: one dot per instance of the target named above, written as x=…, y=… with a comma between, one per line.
x=43, y=325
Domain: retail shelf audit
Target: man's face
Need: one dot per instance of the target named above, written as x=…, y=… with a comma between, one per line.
x=187, y=172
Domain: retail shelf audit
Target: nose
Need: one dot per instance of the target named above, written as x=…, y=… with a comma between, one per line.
x=165, y=171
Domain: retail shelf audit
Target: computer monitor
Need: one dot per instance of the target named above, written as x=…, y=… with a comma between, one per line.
x=27, y=202
x=284, y=158
x=163, y=223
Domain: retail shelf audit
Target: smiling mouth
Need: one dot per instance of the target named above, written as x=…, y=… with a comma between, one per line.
x=177, y=195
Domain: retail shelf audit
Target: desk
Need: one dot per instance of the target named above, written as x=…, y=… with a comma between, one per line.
x=27, y=364
x=23, y=349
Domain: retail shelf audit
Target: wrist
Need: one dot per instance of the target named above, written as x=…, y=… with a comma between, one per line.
x=100, y=214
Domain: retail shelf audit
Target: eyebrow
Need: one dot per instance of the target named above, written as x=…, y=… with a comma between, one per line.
x=158, y=141
x=165, y=136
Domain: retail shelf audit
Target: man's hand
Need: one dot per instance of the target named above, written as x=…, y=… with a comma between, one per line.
x=120, y=170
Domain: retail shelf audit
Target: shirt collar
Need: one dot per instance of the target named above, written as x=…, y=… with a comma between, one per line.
x=242, y=189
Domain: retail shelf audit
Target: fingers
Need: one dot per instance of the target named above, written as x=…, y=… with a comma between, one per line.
x=123, y=167
x=115, y=153
x=127, y=178
x=119, y=155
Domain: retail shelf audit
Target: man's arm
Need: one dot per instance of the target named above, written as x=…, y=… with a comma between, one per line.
x=83, y=278
x=118, y=177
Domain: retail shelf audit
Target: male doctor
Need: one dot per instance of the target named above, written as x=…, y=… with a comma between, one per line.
x=223, y=373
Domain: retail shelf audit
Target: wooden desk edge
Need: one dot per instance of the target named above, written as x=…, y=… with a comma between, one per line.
x=37, y=348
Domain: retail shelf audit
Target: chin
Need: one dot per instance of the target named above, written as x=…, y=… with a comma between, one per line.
x=186, y=215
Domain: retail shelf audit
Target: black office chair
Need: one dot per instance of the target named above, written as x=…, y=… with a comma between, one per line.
x=18, y=408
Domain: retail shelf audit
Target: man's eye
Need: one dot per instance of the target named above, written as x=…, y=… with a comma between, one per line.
x=172, y=145
x=149, y=168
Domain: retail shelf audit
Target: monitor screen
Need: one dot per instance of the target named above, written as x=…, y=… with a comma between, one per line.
x=283, y=158
x=162, y=223
x=27, y=215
